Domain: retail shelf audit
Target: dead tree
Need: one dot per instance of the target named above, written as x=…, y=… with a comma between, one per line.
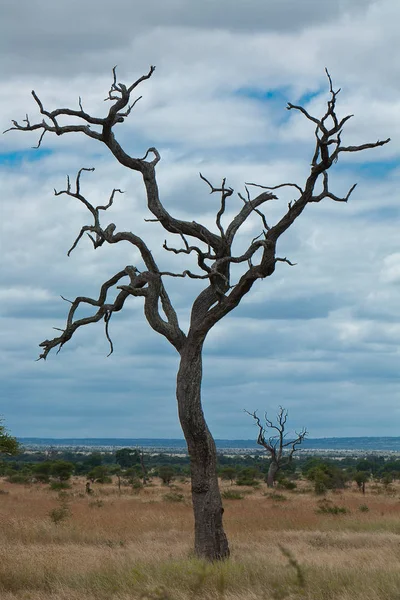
x=280, y=450
x=215, y=255
x=143, y=467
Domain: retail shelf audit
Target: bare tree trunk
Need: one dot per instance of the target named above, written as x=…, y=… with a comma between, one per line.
x=210, y=538
x=143, y=467
x=272, y=471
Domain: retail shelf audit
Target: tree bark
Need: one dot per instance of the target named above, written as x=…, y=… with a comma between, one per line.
x=272, y=471
x=210, y=539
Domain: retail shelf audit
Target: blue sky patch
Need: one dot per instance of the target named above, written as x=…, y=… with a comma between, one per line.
x=376, y=169
x=280, y=95
x=19, y=156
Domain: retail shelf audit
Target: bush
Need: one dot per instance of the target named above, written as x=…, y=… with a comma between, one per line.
x=387, y=479
x=137, y=485
x=173, y=497
x=287, y=484
x=361, y=478
x=22, y=478
x=166, y=474
x=326, y=477
x=320, y=487
x=58, y=515
x=62, y=512
x=41, y=471
x=363, y=508
x=232, y=495
x=99, y=474
x=248, y=476
x=62, y=470
x=325, y=507
x=275, y=496
x=228, y=474
x=59, y=485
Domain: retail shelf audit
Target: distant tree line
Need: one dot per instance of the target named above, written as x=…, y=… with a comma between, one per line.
x=133, y=467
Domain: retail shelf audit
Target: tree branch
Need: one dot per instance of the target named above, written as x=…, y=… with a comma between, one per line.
x=249, y=207
x=261, y=441
x=72, y=326
x=327, y=194
x=225, y=193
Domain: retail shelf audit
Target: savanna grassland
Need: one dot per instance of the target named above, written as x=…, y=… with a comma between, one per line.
x=137, y=544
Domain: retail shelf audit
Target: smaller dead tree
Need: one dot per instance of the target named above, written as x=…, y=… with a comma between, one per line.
x=279, y=448
x=145, y=476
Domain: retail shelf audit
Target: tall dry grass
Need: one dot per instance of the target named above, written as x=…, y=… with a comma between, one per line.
x=138, y=545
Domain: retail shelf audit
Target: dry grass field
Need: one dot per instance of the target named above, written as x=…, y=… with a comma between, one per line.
x=111, y=546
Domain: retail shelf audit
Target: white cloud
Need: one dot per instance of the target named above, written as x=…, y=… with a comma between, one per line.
x=391, y=268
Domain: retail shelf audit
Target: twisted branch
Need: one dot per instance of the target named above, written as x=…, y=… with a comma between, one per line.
x=71, y=325
x=225, y=193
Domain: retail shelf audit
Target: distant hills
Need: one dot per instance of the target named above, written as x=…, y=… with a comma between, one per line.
x=334, y=443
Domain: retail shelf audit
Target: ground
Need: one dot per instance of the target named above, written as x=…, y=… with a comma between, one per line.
x=137, y=544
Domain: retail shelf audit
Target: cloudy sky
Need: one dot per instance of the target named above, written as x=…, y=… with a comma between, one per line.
x=321, y=338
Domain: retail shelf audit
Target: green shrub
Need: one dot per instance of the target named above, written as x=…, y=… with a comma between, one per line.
x=173, y=497
x=56, y=486
x=387, y=479
x=58, y=515
x=363, y=508
x=320, y=487
x=249, y=476
x=42, y=471
x=22, y=478
x=61, y=470
x=326, y=477
x=361, y=478
x=62, y=512
x=275, y=496
x=166, y=474
x=287, y=484
x=232, y=495
x=327, y=508
x=136, y=485
x=247, y=481
x=99, y=474
x=228, y=474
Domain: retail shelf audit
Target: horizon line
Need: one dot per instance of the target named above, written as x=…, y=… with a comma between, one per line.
x=183, y=439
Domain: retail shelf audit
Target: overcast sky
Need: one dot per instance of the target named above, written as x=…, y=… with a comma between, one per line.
x=321, y=338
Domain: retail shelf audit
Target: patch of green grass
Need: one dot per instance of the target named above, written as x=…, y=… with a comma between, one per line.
x=173, y=497
x=232, y=495
x=275, y=496
x=327, y=508
x=56, y=486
